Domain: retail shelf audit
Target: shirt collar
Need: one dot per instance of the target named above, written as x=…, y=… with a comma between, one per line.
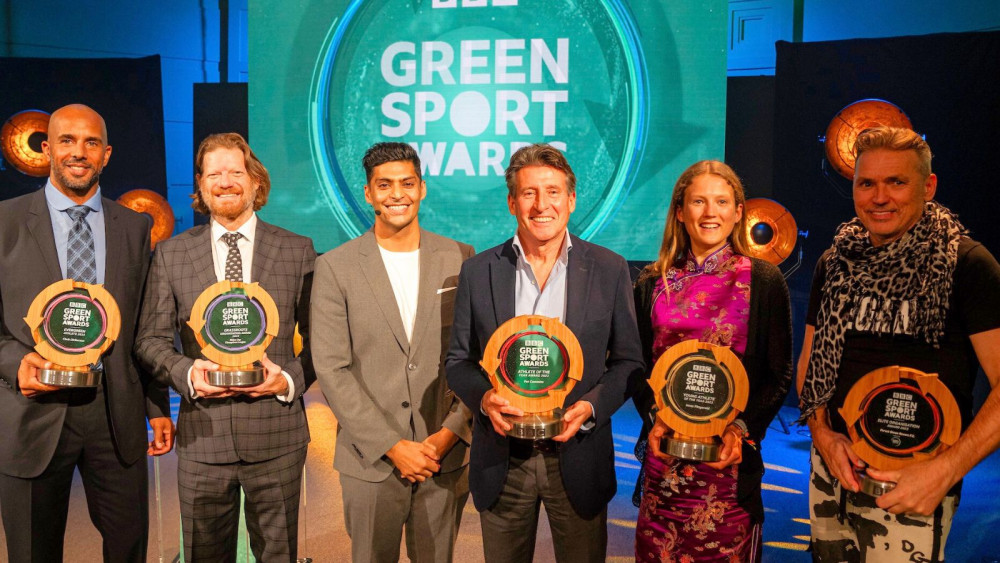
x=247, y=229
x=712, y=264
x=567, y=245
x=61, y=202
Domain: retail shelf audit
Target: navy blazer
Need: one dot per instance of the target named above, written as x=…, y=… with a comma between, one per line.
x=601, y=313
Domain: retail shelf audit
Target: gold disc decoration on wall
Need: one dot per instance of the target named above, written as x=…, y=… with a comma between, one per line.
x=771, y=230
x=852, y=120
x=156, y=207
x=21, y=142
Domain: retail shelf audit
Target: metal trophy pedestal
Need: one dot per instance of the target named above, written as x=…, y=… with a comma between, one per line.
x=691, y=449
x=536, y=426
x=245, y=377
x=66, y=377
x=874, y=487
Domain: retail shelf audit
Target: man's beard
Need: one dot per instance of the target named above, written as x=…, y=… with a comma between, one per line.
x=79, y=186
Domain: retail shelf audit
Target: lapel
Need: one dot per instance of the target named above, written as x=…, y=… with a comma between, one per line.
x=40, y=226
x=427, y=296
x=579, y=275
x=114, y=242
x=373, y=269
x=264, y=252
x=502, y=281
x=199, y=255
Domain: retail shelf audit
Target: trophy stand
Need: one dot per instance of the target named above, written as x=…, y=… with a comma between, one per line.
x=62, y=376
x=536, y=426
x=873, y=487
x=706, y=449
x=241, y=376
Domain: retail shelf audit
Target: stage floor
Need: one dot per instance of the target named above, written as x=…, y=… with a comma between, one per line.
x=323, y=538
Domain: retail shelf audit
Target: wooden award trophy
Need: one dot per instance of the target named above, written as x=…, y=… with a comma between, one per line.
x=534, y=362
x=699, y=389
x=73, y=323
x=897, y=416
x=234, y=323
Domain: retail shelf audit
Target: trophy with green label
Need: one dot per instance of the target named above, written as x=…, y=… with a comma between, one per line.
x=534, y=362
x=234, y=322
x=699, y=389
x=897, y=416
x=73, y=323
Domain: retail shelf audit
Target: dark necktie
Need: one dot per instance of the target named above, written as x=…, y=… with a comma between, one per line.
x=234, y=261
x=81, y=260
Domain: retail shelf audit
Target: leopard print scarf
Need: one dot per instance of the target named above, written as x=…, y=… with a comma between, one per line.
x=918, y=266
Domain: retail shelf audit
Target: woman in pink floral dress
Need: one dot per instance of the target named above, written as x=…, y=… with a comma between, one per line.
x=704, y=287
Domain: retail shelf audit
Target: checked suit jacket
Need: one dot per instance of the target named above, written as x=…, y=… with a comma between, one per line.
x=236, y=428
x=28, y=264
x=601, y=313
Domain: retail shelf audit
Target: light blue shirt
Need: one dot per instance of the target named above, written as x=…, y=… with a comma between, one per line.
x=550, y=301
x=58, y=203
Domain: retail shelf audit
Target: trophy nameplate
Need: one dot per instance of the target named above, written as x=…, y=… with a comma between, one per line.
x=699, y=389
x=897, y=416
x=534, y=362
x=73, y=323
x=234, y=322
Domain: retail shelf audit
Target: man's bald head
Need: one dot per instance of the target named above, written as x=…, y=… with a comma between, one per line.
x=78, y=149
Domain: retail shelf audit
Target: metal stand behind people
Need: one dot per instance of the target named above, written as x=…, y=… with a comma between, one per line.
x=305, y=522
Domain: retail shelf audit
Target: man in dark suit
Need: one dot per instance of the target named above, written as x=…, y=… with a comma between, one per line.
x=230, y=438
x=48, y=431
x=546, y=271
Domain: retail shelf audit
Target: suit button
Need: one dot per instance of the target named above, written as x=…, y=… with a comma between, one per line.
x=411, y=367
x=406, y=404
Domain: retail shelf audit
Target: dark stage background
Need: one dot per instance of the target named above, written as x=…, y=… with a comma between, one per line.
x=126, y=92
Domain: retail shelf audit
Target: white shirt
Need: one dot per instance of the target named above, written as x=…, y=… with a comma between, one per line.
x=220, y=252
x=404, y=276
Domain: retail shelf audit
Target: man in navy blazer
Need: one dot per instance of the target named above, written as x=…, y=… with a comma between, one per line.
x=546, y=271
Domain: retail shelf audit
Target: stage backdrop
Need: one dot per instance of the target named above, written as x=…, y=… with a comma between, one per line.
x=633, y=92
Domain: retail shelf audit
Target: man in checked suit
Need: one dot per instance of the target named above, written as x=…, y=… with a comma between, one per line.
x=543, y=270
x=48, y=431
x=381, y=310
x=231, y=438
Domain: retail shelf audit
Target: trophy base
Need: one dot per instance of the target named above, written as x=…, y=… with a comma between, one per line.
x=247, y=377
x=70, y=377
x=691, y=449
x=874, y=487
x=537, y=426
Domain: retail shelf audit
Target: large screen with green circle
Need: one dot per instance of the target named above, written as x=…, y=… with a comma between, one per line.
x=632, y=92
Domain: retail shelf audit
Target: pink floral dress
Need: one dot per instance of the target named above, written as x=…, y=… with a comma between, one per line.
x=689, y=511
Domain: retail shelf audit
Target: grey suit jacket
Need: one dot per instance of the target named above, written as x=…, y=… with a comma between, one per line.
x=382, y=387
x=239, y=428
x=28, y=264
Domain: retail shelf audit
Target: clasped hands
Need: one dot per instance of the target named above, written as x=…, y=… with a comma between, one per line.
x=417, y=461
x=274, y=382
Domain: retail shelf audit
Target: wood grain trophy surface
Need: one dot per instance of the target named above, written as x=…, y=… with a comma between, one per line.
x=234, y=322
x=73, y=323
x=534, y=362
x=700, y=388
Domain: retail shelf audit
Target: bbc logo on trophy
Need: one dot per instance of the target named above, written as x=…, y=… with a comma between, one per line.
x=534, y=362
x=699, y=388
x=234, y=322
x=897, y=416
x=73, y=323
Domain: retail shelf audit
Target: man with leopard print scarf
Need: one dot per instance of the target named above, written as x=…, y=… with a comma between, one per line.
x=902, y=284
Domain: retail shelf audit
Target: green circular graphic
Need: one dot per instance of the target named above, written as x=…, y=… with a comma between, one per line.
x=698, y=388
x=467, y=87
x=899, y=420
x=73, y=322
x=234, y=322
x=533, y=363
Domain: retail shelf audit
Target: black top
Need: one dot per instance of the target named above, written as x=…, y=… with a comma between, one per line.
x=768, y=363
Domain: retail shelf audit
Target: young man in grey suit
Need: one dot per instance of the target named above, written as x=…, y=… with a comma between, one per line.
x=382, y=308
x=230, y=438
x=543, y=270
x=49, y=431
